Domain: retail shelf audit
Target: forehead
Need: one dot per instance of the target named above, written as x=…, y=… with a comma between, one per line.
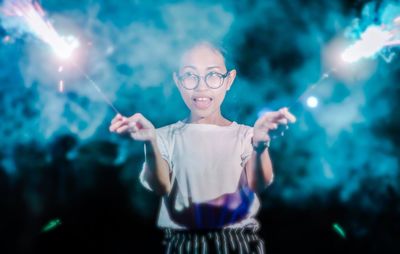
x=202, y=56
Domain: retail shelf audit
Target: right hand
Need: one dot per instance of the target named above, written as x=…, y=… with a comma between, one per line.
x=137, y=126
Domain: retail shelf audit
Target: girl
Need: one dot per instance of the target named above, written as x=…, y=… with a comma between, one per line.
x=207, y=168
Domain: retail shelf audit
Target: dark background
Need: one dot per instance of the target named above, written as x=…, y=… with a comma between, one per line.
x=339, y=164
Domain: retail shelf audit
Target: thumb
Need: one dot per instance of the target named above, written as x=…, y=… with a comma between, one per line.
x=141, y=122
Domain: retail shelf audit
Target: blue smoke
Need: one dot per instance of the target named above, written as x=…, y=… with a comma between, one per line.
x=341, y=148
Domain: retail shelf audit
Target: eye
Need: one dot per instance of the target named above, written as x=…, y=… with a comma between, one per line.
x=214, y=74
x=188, y=74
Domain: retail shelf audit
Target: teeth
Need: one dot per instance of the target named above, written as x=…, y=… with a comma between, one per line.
x=202, y=99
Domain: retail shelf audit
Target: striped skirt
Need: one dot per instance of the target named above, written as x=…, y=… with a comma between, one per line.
x=228, y=240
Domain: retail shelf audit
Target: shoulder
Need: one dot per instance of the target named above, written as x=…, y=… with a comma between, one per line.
x=245, y=129
x=168, y=131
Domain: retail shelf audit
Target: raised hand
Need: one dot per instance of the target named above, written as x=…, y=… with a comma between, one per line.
x=268, y=122
x=137, y=126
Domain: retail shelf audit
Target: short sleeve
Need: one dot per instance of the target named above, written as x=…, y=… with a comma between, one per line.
x=163, y=147
x=247, y=148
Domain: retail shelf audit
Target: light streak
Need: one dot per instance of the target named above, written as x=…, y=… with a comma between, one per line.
x=34, y=18
x=33, y=15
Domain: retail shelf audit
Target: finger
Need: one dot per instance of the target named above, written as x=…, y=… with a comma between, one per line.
x=132, y=124
x=141, y=121
x=270, y=126
x=283, y=121
x=116, y=118
x=133, y=127
x=122, y=129
x=268, y=117
x=137, y=136
x=288, y=115
x=117, y=125
x=276, y=119
x=135, y=116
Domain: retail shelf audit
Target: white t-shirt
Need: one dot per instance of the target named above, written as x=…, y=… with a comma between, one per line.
x=209, y=186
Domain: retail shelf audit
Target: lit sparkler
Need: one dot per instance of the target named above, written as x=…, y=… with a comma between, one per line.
x=372, y=41
x=33, y=16
x=280, y=132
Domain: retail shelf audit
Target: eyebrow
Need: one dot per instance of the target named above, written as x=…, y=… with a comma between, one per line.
x=189, y=66
x=214, y=67
x=208, y=68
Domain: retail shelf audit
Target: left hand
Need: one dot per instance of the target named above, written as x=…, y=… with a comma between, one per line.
x=270, y=121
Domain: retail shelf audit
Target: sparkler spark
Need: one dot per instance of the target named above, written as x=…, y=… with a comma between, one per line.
x=34, y=18
x=61, y=86
x=6, y=39
x=372, y=41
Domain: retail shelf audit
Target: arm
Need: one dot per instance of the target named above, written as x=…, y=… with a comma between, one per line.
x=156, y=171
x=259, y=169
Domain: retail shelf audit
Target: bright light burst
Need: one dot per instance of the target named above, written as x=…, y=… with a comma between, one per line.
x=372, y=41
x=34, y=18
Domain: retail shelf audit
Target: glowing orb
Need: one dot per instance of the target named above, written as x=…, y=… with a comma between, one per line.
x=312, y=102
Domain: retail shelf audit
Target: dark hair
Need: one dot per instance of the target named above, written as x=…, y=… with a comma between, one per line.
x=212, y=44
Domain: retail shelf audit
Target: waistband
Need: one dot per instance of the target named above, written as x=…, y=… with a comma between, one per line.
x=242, y=230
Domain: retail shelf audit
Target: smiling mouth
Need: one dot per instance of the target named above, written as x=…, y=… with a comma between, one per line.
x=202, y=99
x=202, y=102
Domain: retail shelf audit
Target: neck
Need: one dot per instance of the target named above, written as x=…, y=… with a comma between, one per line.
x=215, y=118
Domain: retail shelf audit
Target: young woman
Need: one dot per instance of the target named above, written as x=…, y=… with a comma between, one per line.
x=207, y=168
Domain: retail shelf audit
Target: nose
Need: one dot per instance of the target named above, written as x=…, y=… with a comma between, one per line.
x=202, y=84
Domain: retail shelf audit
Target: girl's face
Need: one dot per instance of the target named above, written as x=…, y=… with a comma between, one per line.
x=202, y=63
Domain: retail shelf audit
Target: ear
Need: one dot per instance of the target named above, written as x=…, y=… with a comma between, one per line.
x=175, y=76
x=231, y=77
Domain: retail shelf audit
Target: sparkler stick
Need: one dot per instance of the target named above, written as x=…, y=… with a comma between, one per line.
x=280, y=132
x=322, y=78
x=105, y=98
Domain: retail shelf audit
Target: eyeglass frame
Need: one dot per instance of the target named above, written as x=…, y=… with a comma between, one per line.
x=198, y=77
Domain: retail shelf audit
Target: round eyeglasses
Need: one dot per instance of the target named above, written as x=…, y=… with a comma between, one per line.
x=213, y=80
